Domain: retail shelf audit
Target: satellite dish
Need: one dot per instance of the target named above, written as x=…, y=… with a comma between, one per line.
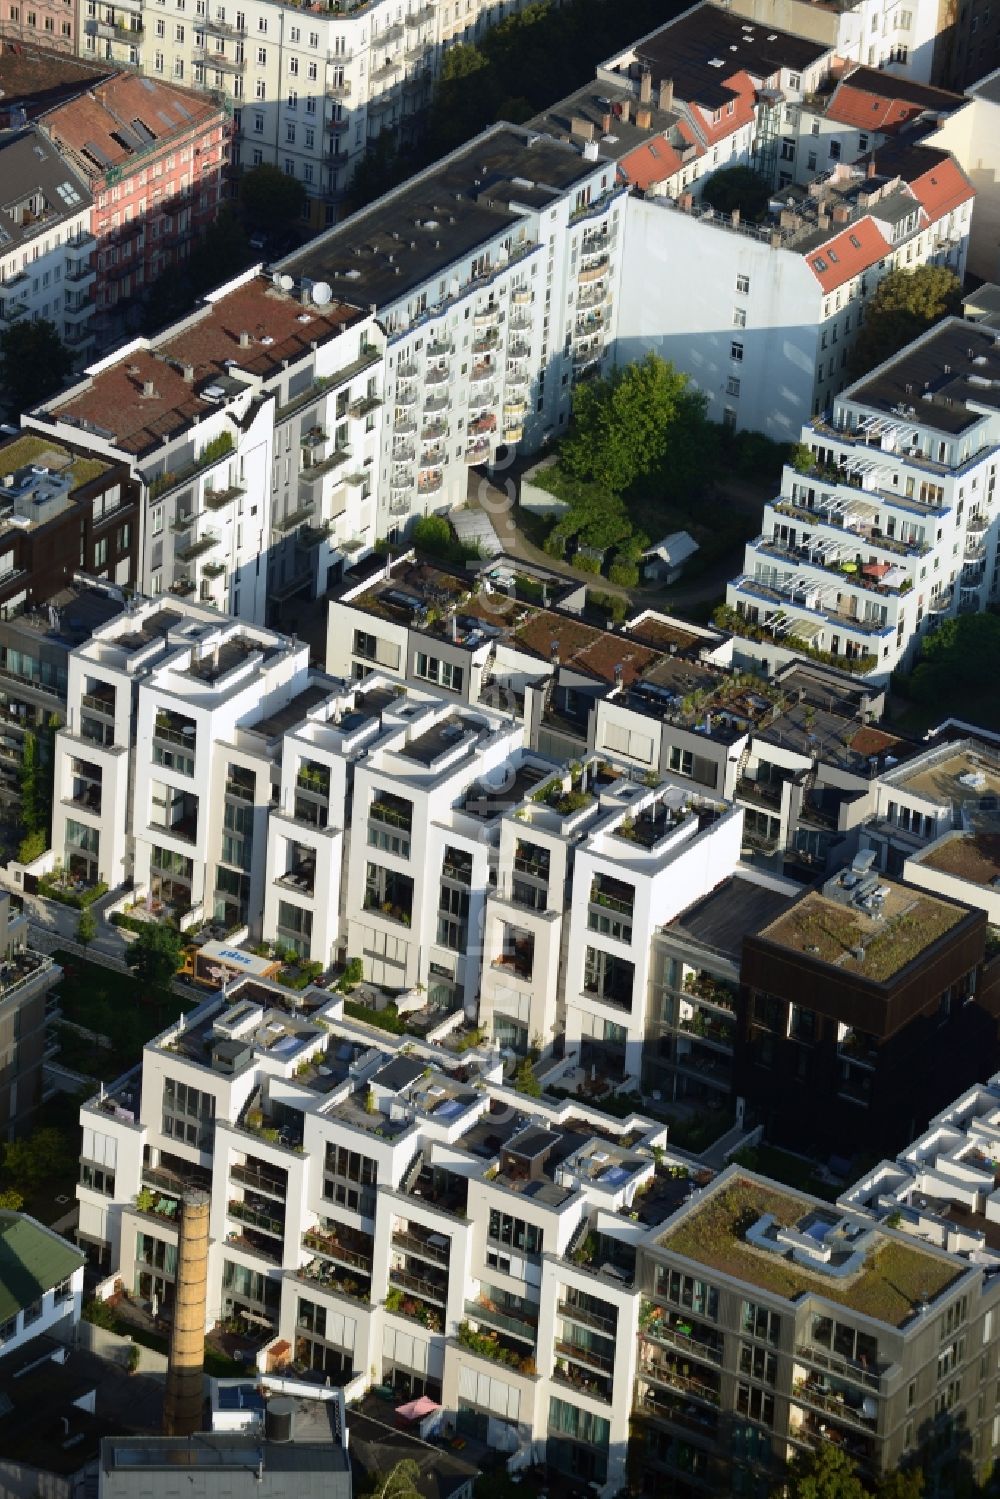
x=286, y=282
x=322, y=293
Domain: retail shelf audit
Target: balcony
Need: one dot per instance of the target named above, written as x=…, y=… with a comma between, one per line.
x=764, y=792
x=257, y=1217
x=430, y=484
x=676, y=1375
x=671, y=1331
x=430, y=1289
x=434, y=1248
x=199, y=547
x=334, y=1244
x=589, y=274
x=484, y=1311
x=587, y=1318
x=568, y=1372
x=437, y=377
x=433, y=458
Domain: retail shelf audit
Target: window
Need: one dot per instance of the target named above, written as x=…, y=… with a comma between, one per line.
x=515, y=1233
x=444, y=673
x=736, y=351
x=188, y=1113
x=761, y=1322
x=758, y=1363
x=743, y=286
x=739, y=317
x=608, y=978
x=755, y=1403
x=261, y=57
x=834, y=150
x=97, y=1178
x=688, y=1292
x=733, y=385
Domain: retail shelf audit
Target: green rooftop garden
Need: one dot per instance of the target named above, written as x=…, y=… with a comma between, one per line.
x=895, y=1279
x=28, y=449
x=825, y=930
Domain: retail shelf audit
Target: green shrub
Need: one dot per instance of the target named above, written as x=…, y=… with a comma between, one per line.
x=101, y=1314
x=32, y=847
x=611, y=604
x=585, y=563
x=384, y=1020
x=554, y=544
x=625, y=574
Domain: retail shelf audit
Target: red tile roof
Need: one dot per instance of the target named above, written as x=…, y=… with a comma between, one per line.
x=851, y=106
x=847, y=254
x=96, y=119
x=744, y=96
x=942, y=188
x=655, y=160
x=114, y=398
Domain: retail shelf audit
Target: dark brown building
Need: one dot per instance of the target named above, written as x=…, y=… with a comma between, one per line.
x=63, y=515
x=863, y=1012
x=25, y=979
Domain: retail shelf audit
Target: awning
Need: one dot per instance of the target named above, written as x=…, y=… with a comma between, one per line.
x=417, y=1409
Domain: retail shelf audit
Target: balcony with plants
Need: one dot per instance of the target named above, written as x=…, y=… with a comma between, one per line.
x=389, y=894
x=578, y=1369
x=402, y=1304
x=709, y=990
x=679, y=1330
x=505, y=1313
x=674, y=1371
x=493, y=1346
x=517, y=952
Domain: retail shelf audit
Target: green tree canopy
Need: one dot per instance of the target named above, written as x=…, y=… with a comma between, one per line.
x=828, y=1473
x=399, y=1482
x=271, y=199
x=954, y=672
x=154, y=957
x=37, y=1156
x=86, y=927
x=34, y=363
x=738, y=187
x=905, y=305
x=28, y=777
x=625, y=425
x=432, y=534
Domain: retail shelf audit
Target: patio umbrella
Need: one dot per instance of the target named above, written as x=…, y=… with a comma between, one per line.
x=416, y=1410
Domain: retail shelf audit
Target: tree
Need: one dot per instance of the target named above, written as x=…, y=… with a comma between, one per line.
x=36, y=1157
x=86, y=927
x=34, y=363
x=624, y=425
x=432, y=534
x=31, y=847
x=11, y=1201
x=949, y=676
x=28, y=785
x=381, y=168
x=271, y=199
x=738, y=188
x=905, y=305
x=824, y=1474
x=400, y=1482
x=154, y=957
x=525, y=1080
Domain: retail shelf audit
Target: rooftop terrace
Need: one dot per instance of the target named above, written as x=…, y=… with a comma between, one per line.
x=969, y=856
x=30, y=450
x=946, y=381
x=208, y=352
x=875, y=947
x=964, y=775
x=895, y=1281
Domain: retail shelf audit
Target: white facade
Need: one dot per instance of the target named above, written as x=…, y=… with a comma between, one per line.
x=30, y=1246
x=893, y=530
x=373, y=1208
x=310, y=91
x=45, y=250
x=266, y=480
x=874, y=32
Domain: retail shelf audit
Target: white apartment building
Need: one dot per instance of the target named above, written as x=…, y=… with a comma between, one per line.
x=942, y=1188
x=390, y=1215
x=46, y=242
x=492, y=274
x=254, y=425
x=893, y=529
x=764, y=317
x=310, y=90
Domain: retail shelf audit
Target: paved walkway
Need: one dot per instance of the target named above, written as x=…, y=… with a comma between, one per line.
x=715, y=1155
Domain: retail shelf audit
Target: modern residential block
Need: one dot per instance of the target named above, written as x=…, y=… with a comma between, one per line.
x=892, y=529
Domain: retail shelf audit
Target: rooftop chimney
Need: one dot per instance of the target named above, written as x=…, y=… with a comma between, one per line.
x=871, y=169
x=148, y=389
x=841, y=214
x=667, y=94
x=580, y=127
x=645, y=86
x=735, y=216
x=626, y=111
x=644, y=115
x=244, y=339
x=188, y=373
x=605, y=124
x=183, y=1398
